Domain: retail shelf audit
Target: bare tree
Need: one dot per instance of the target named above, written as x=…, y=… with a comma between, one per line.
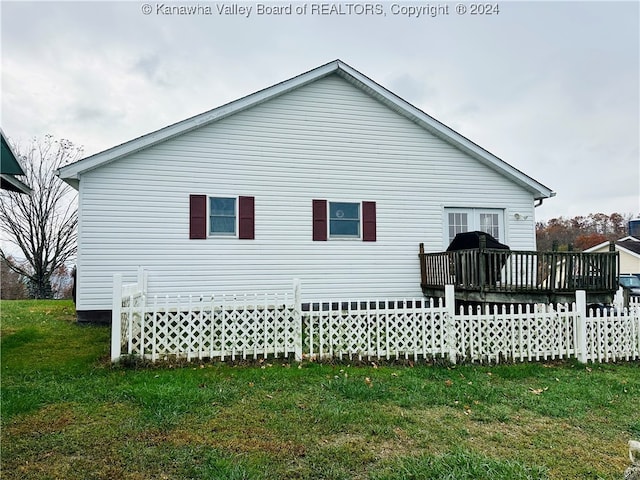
x=43, y=225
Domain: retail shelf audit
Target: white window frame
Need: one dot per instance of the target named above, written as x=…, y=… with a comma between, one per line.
x=237, y=215
x=473, y=217
x=344, y=237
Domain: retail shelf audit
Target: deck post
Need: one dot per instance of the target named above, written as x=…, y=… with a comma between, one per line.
x=482, y=263
x=423, y=266
x=450, y=323
x=116, y=318
x=581, y=326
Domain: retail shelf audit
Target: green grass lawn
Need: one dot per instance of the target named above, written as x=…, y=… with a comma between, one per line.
x=68, y=414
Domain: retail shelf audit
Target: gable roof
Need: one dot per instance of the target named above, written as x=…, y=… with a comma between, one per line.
x=632, y=246
x=630, y=238
x=9, y=168
x=629, y=245
x=71, y=173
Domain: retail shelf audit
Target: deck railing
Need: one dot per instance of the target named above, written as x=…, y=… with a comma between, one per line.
x=492, y=270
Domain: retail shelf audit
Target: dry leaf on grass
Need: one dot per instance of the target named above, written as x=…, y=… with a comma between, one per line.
x=538, y=391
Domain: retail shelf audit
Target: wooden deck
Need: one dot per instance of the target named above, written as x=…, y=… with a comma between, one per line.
x=509, y=276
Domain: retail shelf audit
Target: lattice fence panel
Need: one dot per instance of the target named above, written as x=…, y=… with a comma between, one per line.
x=131, y=321
x=498, y=334
x=613, y=336
x=373, y=330
x=124, y=322
x=206, y=329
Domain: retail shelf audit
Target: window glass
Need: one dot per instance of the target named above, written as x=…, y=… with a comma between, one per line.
x=344, y=219
x=458, y=223
x=222, y=215
x=489, y=224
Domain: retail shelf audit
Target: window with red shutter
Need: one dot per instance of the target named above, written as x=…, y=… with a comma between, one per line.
x=223, y=217
x=344, y=220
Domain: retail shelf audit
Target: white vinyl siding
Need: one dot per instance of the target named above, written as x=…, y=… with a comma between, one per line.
x=327, y=139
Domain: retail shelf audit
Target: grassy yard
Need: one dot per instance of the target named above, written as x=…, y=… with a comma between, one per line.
x=68, y=414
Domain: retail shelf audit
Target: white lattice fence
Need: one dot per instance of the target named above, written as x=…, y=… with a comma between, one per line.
x=128, y=300
x=225, y=328
x=513, y=333
x=375, y=329
x=613, y=335
x=280, y=326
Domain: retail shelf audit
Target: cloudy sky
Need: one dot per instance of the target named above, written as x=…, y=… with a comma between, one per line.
x=550, y=87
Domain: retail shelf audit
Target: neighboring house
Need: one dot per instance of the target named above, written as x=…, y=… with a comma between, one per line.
x=628, y=249
x=327, y=177
x=10, y=168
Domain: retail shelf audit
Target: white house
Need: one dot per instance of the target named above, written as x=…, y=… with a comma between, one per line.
x=629, y=250
x=327, y=177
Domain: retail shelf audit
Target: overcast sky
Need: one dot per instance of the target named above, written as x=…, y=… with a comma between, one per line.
x=552, y=88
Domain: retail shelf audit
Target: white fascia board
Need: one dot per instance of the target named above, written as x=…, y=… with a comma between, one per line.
x=449, y=135
x=73, y=171
x=597, y=247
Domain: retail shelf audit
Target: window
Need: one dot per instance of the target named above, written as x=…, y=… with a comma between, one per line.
x=338, y=220
x=460, y=220
x=344, y=220
x=458, y=223
x=489, y=223
x=222, y=216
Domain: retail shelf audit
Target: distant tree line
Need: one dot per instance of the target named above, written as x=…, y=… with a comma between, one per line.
x=580, y=232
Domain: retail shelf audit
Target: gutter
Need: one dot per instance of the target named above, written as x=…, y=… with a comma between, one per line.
x=540, y=200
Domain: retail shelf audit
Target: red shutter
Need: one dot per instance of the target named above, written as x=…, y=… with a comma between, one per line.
x=246, y=220
x=319, y=220
x=369, y=221
x=197, y=216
